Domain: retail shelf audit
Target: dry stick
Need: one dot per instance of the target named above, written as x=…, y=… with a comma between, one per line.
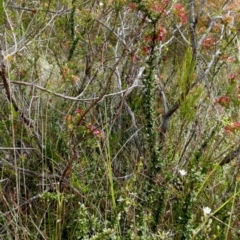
x=6, y=83
x=77, y=98
x=186, y=145
x=22, y=170
x=35, y=10
x=33, y=34
x=200, y=10
x=123, y=102
x=135, y=129
x=16, y=148
x=233, y=154
x=28, y=202
x=27, y=172
x=193, y=24
x=10, y=97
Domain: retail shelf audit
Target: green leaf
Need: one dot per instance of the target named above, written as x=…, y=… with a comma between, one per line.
x=2, y=15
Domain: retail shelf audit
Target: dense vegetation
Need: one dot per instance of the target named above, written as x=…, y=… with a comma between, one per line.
x=119, y=119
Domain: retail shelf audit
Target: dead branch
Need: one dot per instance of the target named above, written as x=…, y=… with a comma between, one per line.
x=230, y=156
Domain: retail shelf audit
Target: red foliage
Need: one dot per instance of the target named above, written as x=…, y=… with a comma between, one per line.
x=232, y=127
x=180, y=13
x=79, y=111
x=223, y=100
x=132, y=6
x=208, y=42
x=146, y=50
x=159, y=8
x=228, y=58
x=164, y=58
x=232, y=77
x=158, y=37
x=96, y=131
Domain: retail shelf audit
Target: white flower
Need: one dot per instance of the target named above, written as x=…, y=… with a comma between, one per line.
x=182, y=172
x=207, y=210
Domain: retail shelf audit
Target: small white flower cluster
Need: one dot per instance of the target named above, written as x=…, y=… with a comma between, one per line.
x=206, y=211
x=182, y=172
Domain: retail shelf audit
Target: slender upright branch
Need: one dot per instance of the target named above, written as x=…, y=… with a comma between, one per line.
x=231, y=156
x=193, y=24
x=9, y=94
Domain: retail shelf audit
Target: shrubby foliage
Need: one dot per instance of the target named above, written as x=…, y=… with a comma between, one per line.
x=119, y=119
